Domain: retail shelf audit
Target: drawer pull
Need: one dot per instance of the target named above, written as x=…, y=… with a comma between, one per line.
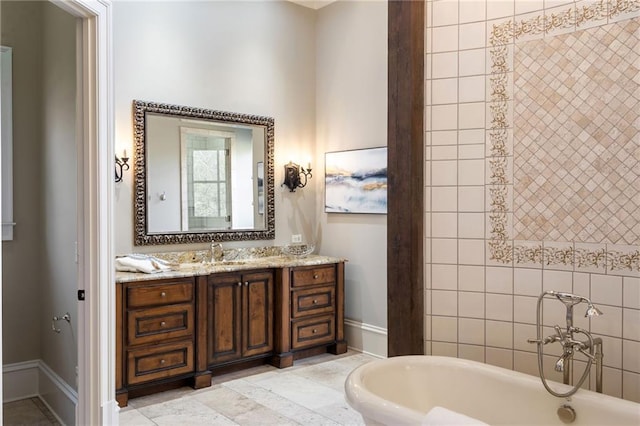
x=162, y=362
x=163, y=294
x=315, y=276
x=162, y=324
x=315, y=331
x=315, y=301
x=246, y=283
x=239, y=283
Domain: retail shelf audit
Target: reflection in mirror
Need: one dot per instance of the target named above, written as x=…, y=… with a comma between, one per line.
x=200, y=175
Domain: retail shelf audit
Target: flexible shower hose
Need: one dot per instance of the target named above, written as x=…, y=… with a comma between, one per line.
x=540, y=356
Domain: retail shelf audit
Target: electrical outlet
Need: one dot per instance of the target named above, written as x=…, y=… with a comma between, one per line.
x=296, y=238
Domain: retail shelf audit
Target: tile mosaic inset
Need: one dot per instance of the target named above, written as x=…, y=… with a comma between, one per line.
x=502, y=37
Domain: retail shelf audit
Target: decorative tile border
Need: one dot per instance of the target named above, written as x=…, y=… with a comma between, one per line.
x=501, y=247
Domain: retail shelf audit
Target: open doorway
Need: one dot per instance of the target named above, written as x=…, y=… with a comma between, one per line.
x=69, y=218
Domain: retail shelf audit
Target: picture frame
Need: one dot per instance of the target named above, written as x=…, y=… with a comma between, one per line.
x=356, y=181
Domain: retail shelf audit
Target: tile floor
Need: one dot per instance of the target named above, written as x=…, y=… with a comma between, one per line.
x=29, y=412
x=309, y=393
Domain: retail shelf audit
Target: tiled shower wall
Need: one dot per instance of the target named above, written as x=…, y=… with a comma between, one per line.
x=532, y=153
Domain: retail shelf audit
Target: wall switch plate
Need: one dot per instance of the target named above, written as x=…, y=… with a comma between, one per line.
x=296, y=238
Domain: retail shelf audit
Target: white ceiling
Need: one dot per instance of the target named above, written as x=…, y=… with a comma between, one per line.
x=313, y=4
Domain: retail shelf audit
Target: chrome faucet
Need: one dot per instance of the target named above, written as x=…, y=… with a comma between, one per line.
x=591, y=348
x=217, y=253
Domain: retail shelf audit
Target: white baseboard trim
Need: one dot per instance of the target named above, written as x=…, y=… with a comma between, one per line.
x=35, y=378
x=366, y=338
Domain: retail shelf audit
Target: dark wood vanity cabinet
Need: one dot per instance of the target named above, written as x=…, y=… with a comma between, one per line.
x=155, y=333
x=169, y=331
x=239, y=316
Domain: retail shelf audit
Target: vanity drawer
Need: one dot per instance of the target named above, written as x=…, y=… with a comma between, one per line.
x=159, y=362
x=312, y=331
x=313, y=301
x=161, y=323
x=313, y=276
x=160, y=294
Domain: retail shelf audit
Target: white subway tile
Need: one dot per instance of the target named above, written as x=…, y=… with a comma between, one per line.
x=524, y=309
x=606, y=289
x=444, y=277
x=500, y=357
x=471, y=331
x=472, y=62
x=444, y=225
x=444, y=117
x=631, y=324
x=609, y=324
x=444, y=251
x=444, y=39
x=557, y=280
x=445, y=12
x=446, y=152
x=582, y=284
x=499, y=8
x=631, y=355
x=471, y=198
x=444, y=329
x=444, y=137
x=471, y=352
x=612, y=382
x=444, y=349
x=472, y=11
x=472, y=115
x=471, y=152
x=612, y=349
x=499, y=280
x=471, y=136
x=631, y=298
x=472, y=36
x=444, y=198
x=500, y=334
x=444, y=91
x=526, y=6
x=444, y=65
x=471, y=172
x=527, y=282
x=631, y=386
x=472, y=89
x=471, y=252
x=499, y=307
x=521, y=333
x=471, y=278
x=525, y=362
x=471, y=225
x=471, y=304
x=444, y=173
x=444, y=302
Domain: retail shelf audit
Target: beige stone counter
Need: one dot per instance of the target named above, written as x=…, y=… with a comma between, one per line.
x=200, y=268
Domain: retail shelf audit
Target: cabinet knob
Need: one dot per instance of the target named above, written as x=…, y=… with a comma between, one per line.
x=315, y=301
x=246, y=283
x=315, y=331
x=163, y=294
x=315, y=276
x=239, y=283
x=162, y=361
x=162, y=324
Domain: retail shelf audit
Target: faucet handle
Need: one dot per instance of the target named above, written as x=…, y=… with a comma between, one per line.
x=548, y=339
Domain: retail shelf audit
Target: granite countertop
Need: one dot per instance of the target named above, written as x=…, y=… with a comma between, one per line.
x=190, y=269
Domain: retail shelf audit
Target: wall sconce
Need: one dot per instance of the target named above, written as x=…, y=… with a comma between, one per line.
x=292, y=173
x=121, y=164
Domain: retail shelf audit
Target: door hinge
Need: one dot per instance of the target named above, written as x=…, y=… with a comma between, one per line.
x=80, y=295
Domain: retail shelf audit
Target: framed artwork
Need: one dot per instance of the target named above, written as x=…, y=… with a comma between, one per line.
x=356, y=181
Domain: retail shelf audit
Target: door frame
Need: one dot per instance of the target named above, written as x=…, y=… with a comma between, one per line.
x=96, y=314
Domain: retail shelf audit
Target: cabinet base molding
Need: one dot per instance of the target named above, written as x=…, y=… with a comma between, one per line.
x=202, y=380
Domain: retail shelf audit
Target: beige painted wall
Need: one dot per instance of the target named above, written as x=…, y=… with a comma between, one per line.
x=22, y=257
x=245, y=57
x=351, y=113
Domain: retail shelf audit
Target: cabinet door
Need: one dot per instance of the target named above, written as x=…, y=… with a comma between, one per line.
x=258, y=313
x=224, y=318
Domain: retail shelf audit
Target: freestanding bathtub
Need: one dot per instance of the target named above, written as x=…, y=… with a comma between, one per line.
x=402, y=390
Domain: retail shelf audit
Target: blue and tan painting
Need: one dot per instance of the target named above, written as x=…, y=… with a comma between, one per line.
x=356, y=181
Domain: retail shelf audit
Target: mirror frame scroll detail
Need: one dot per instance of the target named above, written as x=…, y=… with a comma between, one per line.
x=141, y=236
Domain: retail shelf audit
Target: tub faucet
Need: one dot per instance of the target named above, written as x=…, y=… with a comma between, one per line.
x=217, y=253
x=591, y=348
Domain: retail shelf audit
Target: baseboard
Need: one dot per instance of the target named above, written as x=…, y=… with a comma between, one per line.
x=36, y=379
x=366, y=338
